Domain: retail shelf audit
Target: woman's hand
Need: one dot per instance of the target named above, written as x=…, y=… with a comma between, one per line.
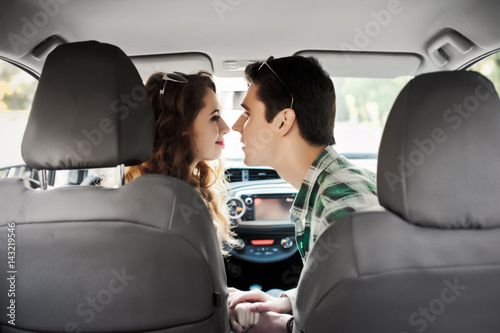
x=242, y=318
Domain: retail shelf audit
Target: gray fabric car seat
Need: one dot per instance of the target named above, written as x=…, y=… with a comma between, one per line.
x=142, y=257
x=428, y=259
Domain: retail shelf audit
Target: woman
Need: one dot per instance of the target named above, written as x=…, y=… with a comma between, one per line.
x=189, y=132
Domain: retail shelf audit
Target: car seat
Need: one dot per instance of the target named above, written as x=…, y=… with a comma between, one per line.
x=428, y=259
x=141, y=257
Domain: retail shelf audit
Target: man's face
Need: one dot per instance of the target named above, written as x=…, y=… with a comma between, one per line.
x=258, y=137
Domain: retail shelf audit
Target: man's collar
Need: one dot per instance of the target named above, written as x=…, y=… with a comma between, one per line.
x=321, y=162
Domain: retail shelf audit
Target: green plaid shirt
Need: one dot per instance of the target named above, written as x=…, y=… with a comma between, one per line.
x=332, y=187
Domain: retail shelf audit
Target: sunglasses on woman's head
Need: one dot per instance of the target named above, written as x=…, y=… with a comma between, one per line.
x=175, y=77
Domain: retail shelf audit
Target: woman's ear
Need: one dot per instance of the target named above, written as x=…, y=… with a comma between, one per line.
x=283, y=122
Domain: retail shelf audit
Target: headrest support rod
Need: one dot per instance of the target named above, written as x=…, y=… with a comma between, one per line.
x=121, y=170
x=42, y=175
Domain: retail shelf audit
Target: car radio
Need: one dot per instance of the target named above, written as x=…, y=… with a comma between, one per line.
x=255, y=207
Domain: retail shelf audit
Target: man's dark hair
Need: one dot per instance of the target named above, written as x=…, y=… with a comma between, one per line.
x=312, y=90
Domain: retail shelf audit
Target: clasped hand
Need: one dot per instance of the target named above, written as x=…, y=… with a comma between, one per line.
x=255, y=311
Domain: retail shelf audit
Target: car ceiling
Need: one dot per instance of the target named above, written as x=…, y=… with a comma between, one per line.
x=209, y=33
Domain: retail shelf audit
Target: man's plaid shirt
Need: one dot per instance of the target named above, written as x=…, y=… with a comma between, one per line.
x=332, y=187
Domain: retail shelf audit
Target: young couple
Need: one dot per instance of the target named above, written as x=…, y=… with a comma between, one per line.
x=287, y=124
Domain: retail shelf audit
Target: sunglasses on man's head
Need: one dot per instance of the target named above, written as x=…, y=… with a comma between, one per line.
x=175, y=77
x=284, y=85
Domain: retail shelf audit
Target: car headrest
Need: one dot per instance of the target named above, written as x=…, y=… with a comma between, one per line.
x=440, y=152
x=90, y=110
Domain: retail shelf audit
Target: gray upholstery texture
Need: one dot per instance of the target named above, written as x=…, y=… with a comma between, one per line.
x=72, y=243
x=90, y=110
x=143, y=257
x=427, y=259
x=437, y=151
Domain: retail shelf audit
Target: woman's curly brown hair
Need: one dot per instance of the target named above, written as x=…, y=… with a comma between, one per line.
x=173, y=152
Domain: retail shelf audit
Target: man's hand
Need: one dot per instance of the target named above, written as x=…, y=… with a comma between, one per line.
x=241, y=318
x=262, y=302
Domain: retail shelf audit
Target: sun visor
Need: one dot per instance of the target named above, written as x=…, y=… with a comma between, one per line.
x=188, y=63
x=366, y=64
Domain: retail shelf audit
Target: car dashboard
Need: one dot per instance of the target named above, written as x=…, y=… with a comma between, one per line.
x=257, y=208
x=259, y=205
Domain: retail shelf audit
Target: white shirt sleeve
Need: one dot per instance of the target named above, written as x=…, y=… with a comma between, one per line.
x=292, y=296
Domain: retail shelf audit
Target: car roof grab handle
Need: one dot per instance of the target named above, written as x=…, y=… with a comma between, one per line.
x=439, y=56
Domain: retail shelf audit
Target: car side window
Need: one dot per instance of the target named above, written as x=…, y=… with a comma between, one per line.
x=489, y=67
x=17, y=89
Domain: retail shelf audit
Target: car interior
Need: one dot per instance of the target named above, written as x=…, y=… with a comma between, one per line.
x=417, y=103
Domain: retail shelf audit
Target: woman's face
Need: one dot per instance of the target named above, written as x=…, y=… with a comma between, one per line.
x=209, y=129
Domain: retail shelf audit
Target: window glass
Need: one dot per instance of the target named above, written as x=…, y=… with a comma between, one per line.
x=17, y=89
x=363, y=105
x=3, y=172
x=489, y=67
x=66, y=177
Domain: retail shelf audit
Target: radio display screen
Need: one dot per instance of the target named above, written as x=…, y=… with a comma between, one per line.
x=272, y=208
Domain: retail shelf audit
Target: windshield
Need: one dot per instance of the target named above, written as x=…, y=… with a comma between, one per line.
x=363, y=105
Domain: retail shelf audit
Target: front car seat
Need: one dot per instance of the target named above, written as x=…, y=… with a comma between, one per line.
x=142, y=257
x=428, y=259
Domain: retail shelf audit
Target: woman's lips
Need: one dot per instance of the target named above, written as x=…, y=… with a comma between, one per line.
x=220, y=143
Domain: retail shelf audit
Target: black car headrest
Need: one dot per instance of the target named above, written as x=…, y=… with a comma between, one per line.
x=90, y=110
x=440, y=152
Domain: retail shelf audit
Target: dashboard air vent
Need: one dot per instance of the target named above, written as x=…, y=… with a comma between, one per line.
x=262, y=174
x=234, y=175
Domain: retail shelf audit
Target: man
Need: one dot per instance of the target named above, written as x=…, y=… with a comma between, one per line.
x=288, y=125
